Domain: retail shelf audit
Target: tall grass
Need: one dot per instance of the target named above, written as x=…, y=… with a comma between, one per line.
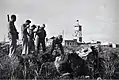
x=110, y=56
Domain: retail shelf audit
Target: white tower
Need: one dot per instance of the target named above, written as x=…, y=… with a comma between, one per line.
x=78, y=32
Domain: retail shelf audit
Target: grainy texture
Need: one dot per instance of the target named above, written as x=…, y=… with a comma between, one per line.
x=109, y=70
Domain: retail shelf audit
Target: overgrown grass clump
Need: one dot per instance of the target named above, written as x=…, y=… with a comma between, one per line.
x=110, y=56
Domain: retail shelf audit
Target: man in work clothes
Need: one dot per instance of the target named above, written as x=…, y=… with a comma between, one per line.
x=57, y=40
x=13, y=35
x=25, y=35
x=31, y=38
x=40, y=38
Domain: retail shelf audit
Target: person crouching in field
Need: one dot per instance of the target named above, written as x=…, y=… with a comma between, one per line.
x=25, y=35
x=31, y=38
x=40, y=38
x=13, y=35
x=57, y=40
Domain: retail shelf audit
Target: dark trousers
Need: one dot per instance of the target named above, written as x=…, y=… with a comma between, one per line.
x=59, y=45
x=38, y=42
x=31, y=45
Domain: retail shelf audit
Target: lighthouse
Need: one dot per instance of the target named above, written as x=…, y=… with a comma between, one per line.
x=78, y=32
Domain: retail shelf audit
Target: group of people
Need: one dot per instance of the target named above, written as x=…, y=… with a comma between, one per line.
x=29, y=37
x=30, y=34
x=33, y=33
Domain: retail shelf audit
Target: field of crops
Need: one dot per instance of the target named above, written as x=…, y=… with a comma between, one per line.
x=110, y=56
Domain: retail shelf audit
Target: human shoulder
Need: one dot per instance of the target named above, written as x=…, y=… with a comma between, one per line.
x=44, y=30
x=11, y=23
x=23, y=25
x=56, y=38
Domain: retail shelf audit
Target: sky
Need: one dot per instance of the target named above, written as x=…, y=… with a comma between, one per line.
x=99, y=18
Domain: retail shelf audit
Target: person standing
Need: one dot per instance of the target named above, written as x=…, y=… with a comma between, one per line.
x=40, y=38
x=12, y=35
x=31, y=38
x=25, y=35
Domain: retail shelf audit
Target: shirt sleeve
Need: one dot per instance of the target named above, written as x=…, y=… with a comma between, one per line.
x=22, y=28
x=61, y=40
x=45, y=33
x=10, y=27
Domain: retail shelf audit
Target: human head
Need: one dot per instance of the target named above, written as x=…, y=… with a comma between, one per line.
x=42, y=26
x=28, y=22
x=33, y=27
x=59, y=36
x=13, y=18
x=77, y=20
x=93, y=48
x=98, y=42
x=38, y=27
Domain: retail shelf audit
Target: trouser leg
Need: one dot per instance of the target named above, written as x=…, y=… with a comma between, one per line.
x=31, y=45
x=37, y=44
x=25, y=45
x=43, y=45
x=61, y=48
x=52, y=48
x=12, y=46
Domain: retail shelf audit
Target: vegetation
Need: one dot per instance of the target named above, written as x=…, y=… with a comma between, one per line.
x=8, y=66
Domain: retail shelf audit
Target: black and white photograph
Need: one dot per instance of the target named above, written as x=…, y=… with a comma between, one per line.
x=59, y=39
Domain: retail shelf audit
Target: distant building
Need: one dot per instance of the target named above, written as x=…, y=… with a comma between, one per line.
x=74, y=43
x=78, y=32
x=77, y=36
x=113, y=45
x=49, y=42
x=71, y=43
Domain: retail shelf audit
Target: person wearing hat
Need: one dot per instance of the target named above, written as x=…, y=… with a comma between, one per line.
x=25, y=35
x=12, y=35
x=40, y=38
x=31, y=38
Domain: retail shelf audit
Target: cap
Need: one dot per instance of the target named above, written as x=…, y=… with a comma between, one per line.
x=28, y=21
x=33, y=26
